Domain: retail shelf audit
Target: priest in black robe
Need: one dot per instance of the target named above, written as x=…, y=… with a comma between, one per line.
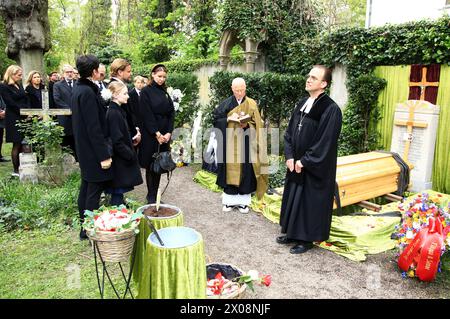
x=310, y=147
x=242, y=163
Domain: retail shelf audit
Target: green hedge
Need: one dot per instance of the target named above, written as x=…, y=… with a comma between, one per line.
x=189, y=86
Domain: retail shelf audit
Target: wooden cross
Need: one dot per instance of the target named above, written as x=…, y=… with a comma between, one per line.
x=45, y=112
x=423, y=84
x=410, y=124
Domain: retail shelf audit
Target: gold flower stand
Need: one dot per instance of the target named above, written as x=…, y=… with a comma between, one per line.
x=176, y=270
x=145, y=231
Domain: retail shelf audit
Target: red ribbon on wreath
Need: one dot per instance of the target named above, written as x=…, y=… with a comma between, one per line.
x=424, y=251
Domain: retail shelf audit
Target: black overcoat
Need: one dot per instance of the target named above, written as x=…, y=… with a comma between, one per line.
x=157, y=113
x=133, y=106
x=125, y=164
x=15, y=99
x=93, y=145
x=307, y=203
x=130, y=116
x=34, y=96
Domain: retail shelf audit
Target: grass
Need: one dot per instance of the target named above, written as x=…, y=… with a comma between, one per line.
x=50, y=264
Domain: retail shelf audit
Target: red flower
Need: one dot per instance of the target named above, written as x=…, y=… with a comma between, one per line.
x=113, y=211
x=266, y=280
x=124, y=210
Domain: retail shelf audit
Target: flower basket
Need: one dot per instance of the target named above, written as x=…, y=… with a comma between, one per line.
x=231, y=289
x=113, y=230
x=113, y=246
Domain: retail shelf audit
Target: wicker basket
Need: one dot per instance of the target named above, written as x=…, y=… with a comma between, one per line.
x=113, y=246
x=235, y=294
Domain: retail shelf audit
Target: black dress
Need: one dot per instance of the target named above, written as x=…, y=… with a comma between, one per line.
x=15, y=99
x=307, y=203
x=248, y=180
x=156, y=113
x=127, y=173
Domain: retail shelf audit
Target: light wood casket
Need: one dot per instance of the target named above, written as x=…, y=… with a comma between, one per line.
x=366, y=176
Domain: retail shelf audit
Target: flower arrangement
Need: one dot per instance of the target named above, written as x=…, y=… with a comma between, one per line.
x=416, y=215
x=112, y=219
x=179, y=153
x=176, y=95
x=223, y=286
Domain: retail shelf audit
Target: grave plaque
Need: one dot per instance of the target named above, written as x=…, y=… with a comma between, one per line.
x=28, y=169
x=414, y=138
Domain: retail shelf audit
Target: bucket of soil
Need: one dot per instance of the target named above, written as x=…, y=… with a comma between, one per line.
x=164, y=211
x=225, y=285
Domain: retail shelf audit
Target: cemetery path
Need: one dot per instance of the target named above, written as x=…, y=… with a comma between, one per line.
x=248, y=242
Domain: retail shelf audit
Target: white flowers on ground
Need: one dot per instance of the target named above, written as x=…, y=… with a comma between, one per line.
x=176, y=95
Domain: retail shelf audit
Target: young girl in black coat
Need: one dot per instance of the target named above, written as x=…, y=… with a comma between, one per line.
x=127, y=173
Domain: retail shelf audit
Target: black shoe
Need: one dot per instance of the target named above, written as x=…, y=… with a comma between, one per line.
x=283, y=240
x=301, y=248
x=83, y=235
x=3, y=160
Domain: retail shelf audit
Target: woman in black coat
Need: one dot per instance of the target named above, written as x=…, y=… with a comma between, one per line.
x=33, y=87
x=157, y=116
x=127, y=173
x=15, y=98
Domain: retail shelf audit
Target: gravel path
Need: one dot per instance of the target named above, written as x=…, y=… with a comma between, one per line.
x=248, y=242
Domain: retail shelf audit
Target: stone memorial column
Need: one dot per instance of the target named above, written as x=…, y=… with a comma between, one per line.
x=414, y=138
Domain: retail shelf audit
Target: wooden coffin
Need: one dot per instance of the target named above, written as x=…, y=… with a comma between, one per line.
x=366, y=176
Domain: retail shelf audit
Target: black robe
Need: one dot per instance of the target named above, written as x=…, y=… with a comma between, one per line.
x=307, y=204
x=248, y=179
x=125, y=163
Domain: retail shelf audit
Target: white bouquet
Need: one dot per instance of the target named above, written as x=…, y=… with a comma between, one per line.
x=176, y=95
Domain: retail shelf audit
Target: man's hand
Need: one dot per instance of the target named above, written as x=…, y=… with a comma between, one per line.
x=290, y=164
x=137, y=138
x=106, y=163
x=2, y=114
x=298, y=166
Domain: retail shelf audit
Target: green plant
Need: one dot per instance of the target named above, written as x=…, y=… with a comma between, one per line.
x=10, y=218
x=277, y=175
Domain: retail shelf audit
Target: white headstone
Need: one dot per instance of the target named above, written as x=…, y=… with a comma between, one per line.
x=28, y=169
x=423, y=140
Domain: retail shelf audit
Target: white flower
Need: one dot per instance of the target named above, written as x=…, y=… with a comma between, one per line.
x=176, y=105
x=177, y=95
x=170, y=91
x=106, y=95
x=409, y=234
x=254, y=275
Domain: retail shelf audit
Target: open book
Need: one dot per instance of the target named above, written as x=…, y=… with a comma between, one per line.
x=242, y=119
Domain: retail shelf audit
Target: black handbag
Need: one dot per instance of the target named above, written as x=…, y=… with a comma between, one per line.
x=162, y=163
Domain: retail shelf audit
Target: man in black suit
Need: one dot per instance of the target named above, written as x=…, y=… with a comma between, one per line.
x=133, y=101
x=91, y=138
x=52, y=79
x=62, y=94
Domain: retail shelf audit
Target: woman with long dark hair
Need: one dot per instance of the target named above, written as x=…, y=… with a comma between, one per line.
x=157, y=116
x=15, y=98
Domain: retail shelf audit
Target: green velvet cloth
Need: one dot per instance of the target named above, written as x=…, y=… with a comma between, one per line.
x=441, y=168
x=350, y=236
x=141, y=240
x=174, y=273
x=396, y=91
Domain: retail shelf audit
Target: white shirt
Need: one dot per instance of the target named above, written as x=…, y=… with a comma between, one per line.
x=308, y=105
x=138, y=92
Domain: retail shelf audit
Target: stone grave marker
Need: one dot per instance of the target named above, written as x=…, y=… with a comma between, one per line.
x=28, y=169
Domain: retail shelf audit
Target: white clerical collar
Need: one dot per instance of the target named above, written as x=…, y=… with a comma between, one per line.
x=308, y=105
x=239, y=101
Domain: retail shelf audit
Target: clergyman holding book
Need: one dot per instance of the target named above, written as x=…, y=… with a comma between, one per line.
x=241, y=151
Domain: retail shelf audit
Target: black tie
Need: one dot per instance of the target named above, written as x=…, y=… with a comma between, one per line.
x=100, y=85
x=70, y=84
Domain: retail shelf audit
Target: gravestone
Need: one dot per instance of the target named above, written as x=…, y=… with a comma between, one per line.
x=28, y=168
x=414, y=138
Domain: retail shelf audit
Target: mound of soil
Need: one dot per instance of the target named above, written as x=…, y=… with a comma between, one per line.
x=162, y=212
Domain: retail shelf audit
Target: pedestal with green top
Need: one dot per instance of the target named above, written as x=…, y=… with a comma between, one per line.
x=166, y=216
x=174, y=267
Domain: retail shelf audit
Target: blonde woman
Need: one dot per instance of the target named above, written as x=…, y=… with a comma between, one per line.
x=33, y=87
x=15, y=98
x=124, y=161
